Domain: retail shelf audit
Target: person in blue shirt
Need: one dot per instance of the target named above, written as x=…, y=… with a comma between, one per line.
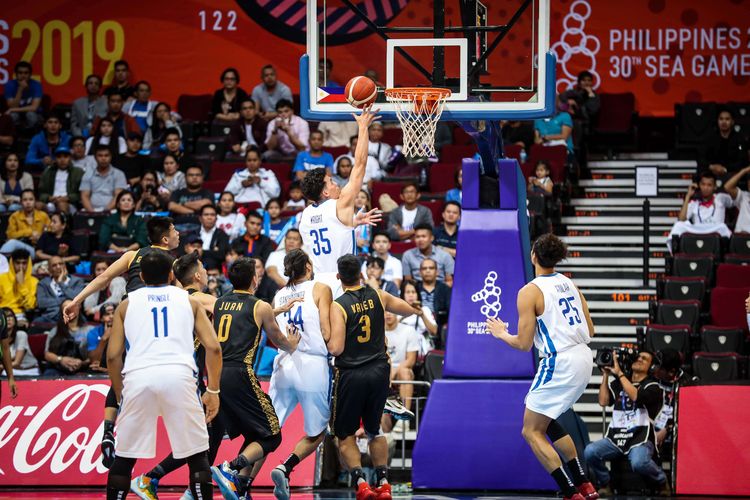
x=142, y=107
x=455, y=193
x=97, y=337
x=555, y=130
x=24, y=97
x=41, y=153
x=314, y=158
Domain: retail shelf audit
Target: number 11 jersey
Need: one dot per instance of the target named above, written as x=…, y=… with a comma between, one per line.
x=325, y=237
x=562, y=325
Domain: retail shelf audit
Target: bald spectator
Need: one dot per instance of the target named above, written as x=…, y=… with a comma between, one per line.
x=55, y=288
x=269, y=92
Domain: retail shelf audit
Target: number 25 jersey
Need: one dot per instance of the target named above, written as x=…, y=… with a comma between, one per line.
x=562, y=325
x=325, y=237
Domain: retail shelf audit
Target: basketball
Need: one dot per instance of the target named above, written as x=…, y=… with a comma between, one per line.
x=360, y=91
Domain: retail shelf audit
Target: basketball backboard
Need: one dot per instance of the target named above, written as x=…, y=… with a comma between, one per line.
x=493, y=56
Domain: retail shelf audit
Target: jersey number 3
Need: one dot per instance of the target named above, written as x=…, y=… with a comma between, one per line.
x=365, y=337
x=567, y=303
x=321, y=244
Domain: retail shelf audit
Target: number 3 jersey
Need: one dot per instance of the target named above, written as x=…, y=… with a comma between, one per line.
x=159, y=325
x=365, y=327
x=325, y=237
x=562, y=325
x=304, y=315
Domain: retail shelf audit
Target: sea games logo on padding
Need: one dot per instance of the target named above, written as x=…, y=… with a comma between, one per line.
x=489, y=296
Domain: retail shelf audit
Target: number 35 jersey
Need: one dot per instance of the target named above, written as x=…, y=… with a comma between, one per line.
x=365, y=327
x=325, y=237
x=159, y=328
x=562, y=325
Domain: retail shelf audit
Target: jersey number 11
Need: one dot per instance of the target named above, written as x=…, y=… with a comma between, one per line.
x=154, y=312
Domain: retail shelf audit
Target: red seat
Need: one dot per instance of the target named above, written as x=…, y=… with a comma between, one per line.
x=285, y=184
x=337, y=151
x=215, y=186
x=452, y=153
x=399, y=247
x=37, y=343
x=442, y=177
x=283, y=171
x=393, y=136
x=513, y=151
x=556, y=156
x=733, y=276
x=617, y=113
x=392, y=188
x=194, y=107
x=222, y=171
x=436, y=207
x=728, y=307
x=461, y=138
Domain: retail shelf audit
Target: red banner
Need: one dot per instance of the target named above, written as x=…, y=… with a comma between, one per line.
x=50, y=436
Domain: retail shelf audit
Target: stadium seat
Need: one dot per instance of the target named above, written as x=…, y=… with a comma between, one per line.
x=63, y=111
x=221, y=129
x=740, y=243
x=695, y=121
x=737, y=258
x=721, y=339
x=741, y=113
x=40, y=327
x=556, y=156
x=442, y=177
x=222, y=171
x=537, y=203
x=436, y=207
x=392, y=188
x=337, y=151
x=728, y=307
x=676, y=288
x=215, y=185
x=513, y=151
x=214, y=147
x=461, y=138
x=694, y=244
x=433, y=365
x=695, y=266
x=399, y=247
x=678, y=312
x=80, y=242
x=454, y=153
x=393, y=136
x=89, y=220
x=283, y=171
x=194, y=107
x=37, y=343
x=716, y=367
x=615, y=127
x=733, y=276
x=676, y=337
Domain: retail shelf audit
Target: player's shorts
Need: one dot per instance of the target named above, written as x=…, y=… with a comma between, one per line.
x=359, y=394
x=305, y=379
x=560, y=380
x=169, y=391
x=245, y=409
x=332, y=281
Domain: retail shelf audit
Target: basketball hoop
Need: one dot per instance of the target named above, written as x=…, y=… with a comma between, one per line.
x=418, y=111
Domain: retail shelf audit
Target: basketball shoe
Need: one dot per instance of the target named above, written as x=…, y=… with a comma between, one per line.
x=281, y=483
x=384, y=492
x=588, y=491
x=226, y=480
x=364, y=492
x=144, y=487
x=395, y=407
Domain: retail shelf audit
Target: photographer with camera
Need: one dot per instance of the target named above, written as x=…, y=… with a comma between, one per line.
x=636, y=402
x=670, y=376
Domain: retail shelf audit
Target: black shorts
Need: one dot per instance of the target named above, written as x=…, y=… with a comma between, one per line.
x=359, y=394
x=244, y=408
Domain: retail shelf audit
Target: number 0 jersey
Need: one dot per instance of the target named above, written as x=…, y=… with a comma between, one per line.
x=325, y=236
x=365, y=327
x=304, y=315
x=159, y=325
x=237, y=328
x=562, y=324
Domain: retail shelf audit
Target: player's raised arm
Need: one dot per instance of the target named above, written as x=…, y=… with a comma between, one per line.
x=337, y=338
x=97, y=284
x=286, y=342
x=323, y=298
x=115, y=348
x=527, y=302
x=207, y=337
x=396, y=305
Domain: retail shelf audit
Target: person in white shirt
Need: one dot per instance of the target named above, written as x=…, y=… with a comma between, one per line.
x=381, y=246
x=373, y=170
x=337, y=134
x=253, y=183
x=741, y=199
x=228, y=219
x=377, y=149
x=403, y=347
x=704, y=213
x=275, y=261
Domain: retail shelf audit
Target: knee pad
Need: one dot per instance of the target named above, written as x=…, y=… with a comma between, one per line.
x=269, y=443
x=555, y=431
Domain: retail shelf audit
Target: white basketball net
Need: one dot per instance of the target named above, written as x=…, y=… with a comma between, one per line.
x=418, y=111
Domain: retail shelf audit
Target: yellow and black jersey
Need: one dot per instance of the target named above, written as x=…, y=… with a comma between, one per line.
x=237, y=327
x=365, y=327
x=134, y=267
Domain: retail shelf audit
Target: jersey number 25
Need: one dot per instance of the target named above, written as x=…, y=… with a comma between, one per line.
x=568, y=305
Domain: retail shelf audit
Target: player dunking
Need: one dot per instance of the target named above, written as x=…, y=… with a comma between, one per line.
x=246, y=409
x=327, y=226
x=158, y=321
x=553, y=316
x=362, y=373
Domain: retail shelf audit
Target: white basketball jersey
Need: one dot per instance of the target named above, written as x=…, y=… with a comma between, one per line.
x=159, y=328
x=562, y=324
x=325, y=237
x=304, y=315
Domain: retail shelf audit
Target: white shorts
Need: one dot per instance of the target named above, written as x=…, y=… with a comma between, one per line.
x=169, y=391
x=305, y=379
x=560, y=381
x=332, y=281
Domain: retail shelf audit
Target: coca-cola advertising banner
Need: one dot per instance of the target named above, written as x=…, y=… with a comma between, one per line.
x=50, y=436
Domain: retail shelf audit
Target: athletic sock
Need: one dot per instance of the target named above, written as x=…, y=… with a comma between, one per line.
x=201, y=489
x=114, y=493
x=381, y=475
x=156, y=473
x=109, y=427
x=239, y=463
x=563, y=481
x=243, y=483
x=290, y=463
x=357, y=476
x=576, y=470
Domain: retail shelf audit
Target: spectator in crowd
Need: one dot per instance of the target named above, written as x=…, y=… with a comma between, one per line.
x=6, y=364
x=378, y=149
x=520, y=133
x=557, y=130
x=343, y=168
x=121, y=84
x=670, y=375
x=193, y=243
x=287, y=134
x=98, y=337
x=275, y=269
x=313, y=158
x=250, y=129
x=637, y=400
x=25, y=226
x=254, y=244
x=133, y=163
x=78, y=154
x=22, y=359
x=434, y=295
x=142, y=107
x=171, y=179
x=65, y=350
x=412, y=258
x=59, y=186
x=724, y=152
x=372, y=169
x=296, y=199
x=162, y=120
x=13, y=181
x=266, y=287
x=541, y=182
x=111, y=294
x=403, y=348
x=228, y=219
x=85, y=109
x=424, y=323
x=741, y=199
x=381, y=247
x=225, y=105
x=41, y=151
x=703, y=210
x=446, y=234
x=374, y=275
x=190, y=199
x=123, y=231
x=455, y=194
x=584, y=104
x=52, y=290
x=24, y=97
x=362, y=204
x=147, y=194
x=337, y=134
x=253, y=183
x=273, y=223
x=215, y=241
x=124, y=124
x=18, y=286
x=403, y=220
x=325, y=66
x=56, y=240
x=7, y=130
x=270, y=92
x=173, y=146
x=104, y=135
x=100, y=187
